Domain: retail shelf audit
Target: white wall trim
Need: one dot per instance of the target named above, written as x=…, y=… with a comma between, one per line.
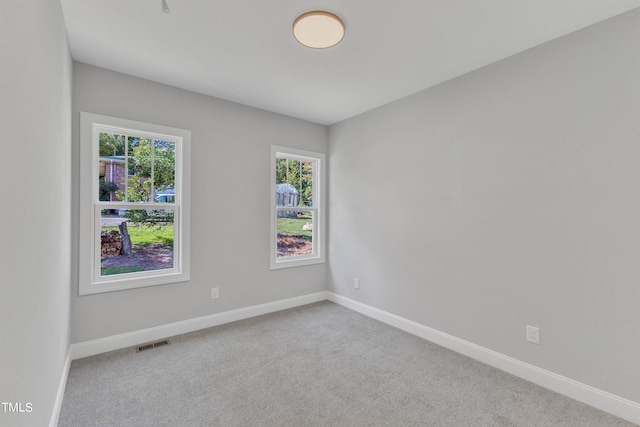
x=57, y=405
x=115, y=342
x=615, y=405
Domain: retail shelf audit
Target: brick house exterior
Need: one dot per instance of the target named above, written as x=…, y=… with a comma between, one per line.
x=112, y=169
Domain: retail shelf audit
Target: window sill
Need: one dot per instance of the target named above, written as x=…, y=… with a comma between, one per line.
x=132, y=282
x=297, y=262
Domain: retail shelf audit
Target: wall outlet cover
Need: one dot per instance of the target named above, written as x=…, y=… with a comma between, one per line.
x=533, y=334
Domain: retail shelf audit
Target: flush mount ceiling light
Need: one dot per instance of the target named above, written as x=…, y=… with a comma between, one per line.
x=318, y=29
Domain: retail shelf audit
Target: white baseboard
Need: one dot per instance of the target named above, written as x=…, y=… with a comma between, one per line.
x=615, y=405
x=57, y=405
x=103, y=345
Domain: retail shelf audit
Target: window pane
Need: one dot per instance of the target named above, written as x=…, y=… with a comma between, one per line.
x=295, y=233
x=306, y=184
x=111, y=167
x=164, y=171
x=294, y=183
x=139, y=162
x=136, y=240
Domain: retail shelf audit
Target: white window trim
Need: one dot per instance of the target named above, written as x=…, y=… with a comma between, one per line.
x=90, y=281
x=319, y=185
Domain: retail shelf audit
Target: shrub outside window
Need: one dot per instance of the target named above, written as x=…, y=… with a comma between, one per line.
x=134, y=219
x=297, y=208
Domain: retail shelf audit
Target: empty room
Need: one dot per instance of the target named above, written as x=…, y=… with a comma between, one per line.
x=320, y=213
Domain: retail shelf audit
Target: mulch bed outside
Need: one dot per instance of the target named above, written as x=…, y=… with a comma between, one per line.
x=155, y=256
x=293, y=245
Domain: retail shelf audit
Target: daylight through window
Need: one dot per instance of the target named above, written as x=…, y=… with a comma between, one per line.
x=133, y=210
x=297, y=215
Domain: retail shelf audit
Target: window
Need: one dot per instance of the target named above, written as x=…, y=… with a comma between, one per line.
x=134, y=194
x=297, y=207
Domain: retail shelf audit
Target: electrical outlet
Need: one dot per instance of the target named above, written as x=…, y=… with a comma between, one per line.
x=215, y=293
x=356, y=283
x=533, y=334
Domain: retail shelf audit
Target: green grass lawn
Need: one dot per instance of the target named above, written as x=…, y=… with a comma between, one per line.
x=145, y=234
x=108, y=271
x=148, y=234
x=293, y=227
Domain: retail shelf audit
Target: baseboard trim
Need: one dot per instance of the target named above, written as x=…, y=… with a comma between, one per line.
x=115, y=342
x=57, y=405
x=615, y=405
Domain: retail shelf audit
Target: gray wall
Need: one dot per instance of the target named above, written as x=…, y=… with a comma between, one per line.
x=35, y=118
x=506, y=197
x=230, y=204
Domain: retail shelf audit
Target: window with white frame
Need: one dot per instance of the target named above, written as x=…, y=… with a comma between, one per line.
x=134, y=193
x=297, y=207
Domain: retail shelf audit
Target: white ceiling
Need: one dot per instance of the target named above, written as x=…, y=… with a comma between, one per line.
x=244, y=51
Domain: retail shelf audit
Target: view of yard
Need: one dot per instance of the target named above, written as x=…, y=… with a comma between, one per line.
x=293, y=239
x=151, y=249
x=135, y=169
x=152, y=245
x=295, y=207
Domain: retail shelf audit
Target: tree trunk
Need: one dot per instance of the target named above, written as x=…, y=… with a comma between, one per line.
x=126, y=239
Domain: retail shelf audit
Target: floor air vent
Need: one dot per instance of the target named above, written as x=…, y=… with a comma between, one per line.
x=150, y=345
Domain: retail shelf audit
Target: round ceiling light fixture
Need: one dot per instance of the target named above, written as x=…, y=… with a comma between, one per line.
x=318, y=29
